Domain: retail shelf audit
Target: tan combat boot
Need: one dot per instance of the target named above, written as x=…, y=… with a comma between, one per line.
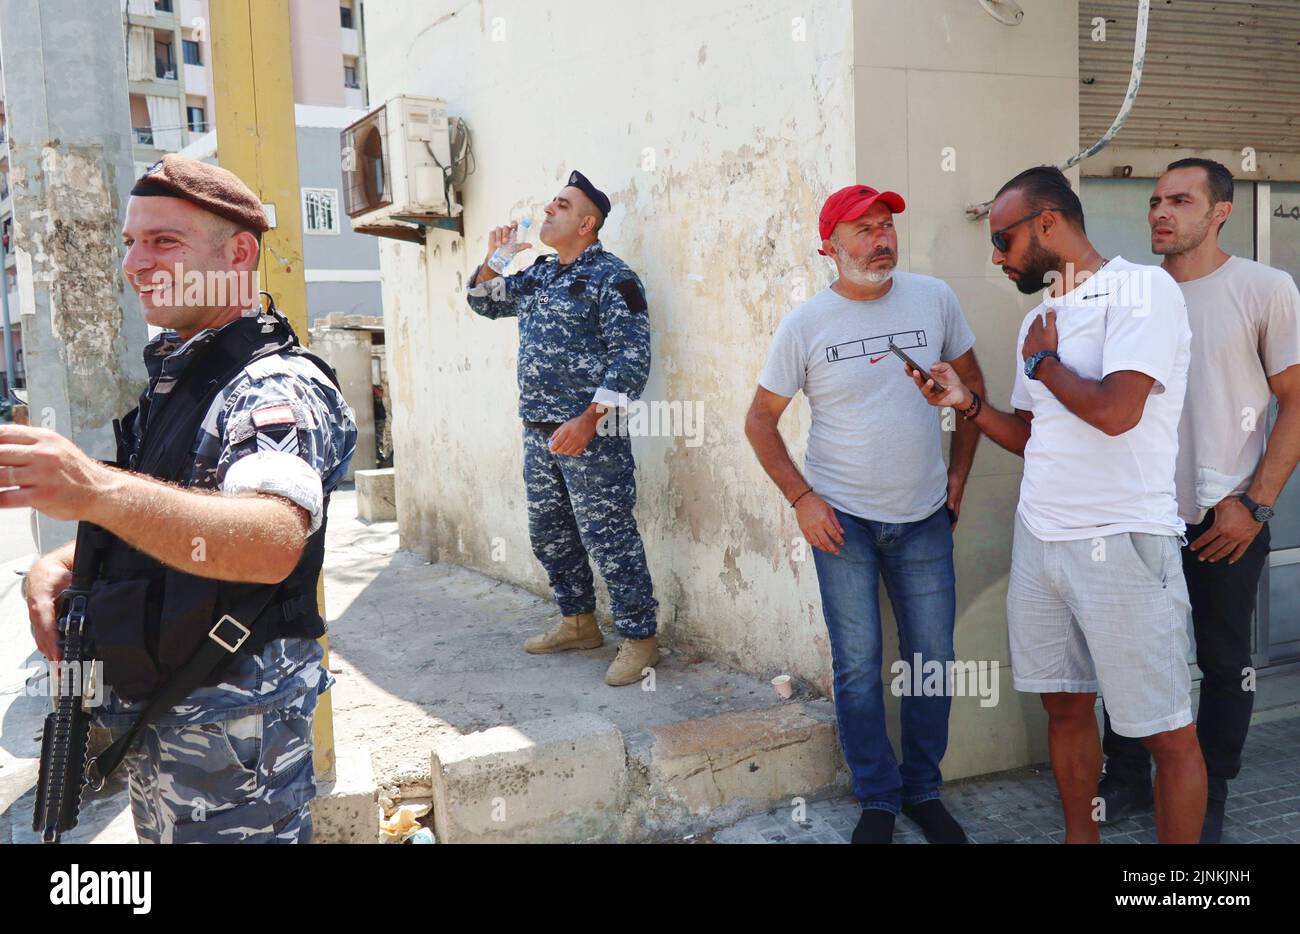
x=634, y=655
x=571, y=632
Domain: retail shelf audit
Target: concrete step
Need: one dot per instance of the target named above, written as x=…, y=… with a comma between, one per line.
x=578, y=778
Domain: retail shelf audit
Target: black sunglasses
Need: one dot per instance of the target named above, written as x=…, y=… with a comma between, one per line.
x=1000, y=243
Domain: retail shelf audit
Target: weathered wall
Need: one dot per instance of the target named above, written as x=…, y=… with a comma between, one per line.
x=749, y=124
x=749, y=128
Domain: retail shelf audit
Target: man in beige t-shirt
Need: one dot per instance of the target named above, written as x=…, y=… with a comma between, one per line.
x=1245, y=321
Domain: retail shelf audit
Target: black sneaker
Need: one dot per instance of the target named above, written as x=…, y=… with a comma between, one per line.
x=1122, y=799
x=874, y=826
x=935, y=822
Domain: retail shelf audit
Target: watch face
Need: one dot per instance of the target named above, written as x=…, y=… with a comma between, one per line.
x=1264, y=513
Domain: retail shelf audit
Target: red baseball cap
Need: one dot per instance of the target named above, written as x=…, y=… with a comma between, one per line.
x=852, y=202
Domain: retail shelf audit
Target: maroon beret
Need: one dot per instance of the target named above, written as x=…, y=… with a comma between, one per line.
x=209, y=186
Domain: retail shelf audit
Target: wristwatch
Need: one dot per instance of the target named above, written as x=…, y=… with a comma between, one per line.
x=1031, y=365
x=1261, y=513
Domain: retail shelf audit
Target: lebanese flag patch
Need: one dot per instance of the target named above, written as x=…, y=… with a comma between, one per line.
x=269, y=415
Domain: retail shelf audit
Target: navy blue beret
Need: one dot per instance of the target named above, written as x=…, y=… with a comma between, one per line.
x=598, y=197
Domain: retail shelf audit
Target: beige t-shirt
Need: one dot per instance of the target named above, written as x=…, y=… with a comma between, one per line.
x=1245, y=320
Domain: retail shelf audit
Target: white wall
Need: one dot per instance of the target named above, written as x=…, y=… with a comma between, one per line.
x=750, y=130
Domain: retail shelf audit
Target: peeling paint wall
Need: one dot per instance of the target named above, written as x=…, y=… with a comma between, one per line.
x=717, y=128
x=71, y=171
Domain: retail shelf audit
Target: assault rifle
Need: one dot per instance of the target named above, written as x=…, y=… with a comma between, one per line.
x=67, y=729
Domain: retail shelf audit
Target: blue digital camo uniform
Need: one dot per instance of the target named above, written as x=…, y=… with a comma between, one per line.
x=584, y=337
x=234, y=762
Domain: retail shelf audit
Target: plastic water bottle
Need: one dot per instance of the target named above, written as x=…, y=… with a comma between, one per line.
x=503, y=254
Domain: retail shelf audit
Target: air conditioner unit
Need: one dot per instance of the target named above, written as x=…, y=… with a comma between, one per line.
x=393, y=163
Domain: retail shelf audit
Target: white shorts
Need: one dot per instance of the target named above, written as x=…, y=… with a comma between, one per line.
x=1108, y=615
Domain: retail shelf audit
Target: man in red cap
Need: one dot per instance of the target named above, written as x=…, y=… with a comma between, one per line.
x=874, y=497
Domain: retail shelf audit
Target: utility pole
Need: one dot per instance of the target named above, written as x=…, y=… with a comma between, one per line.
x=71, y=174
x=252, y=89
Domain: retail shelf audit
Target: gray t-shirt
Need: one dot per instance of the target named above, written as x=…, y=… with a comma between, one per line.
x=874, y=448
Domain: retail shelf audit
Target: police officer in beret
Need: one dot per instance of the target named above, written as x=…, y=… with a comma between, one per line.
x=208, y=532
x=584, y=349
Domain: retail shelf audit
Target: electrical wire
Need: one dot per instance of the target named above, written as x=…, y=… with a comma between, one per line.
x=976, y=211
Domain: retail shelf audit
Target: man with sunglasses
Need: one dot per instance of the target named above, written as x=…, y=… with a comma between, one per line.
x=1245, y=349
x=1096, y=599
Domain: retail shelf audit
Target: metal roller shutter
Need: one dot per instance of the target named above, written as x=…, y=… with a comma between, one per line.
x=1219, y=74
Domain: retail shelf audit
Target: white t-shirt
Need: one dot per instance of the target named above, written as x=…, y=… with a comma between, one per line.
x=1080, y=482
x=1245, y=320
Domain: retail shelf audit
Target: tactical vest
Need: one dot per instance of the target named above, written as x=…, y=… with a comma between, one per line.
x=147, y=619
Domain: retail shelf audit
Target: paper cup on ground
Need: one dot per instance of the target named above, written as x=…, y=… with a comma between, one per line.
x=783, y=686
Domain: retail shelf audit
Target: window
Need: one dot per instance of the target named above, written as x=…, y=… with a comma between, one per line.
x=197, y=118
x=320, y=210
x=163, y=6
x=350, y=77
x=193, y=52
x=345, y=17
x=164, y=64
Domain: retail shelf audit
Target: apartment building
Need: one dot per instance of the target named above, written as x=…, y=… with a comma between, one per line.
x=11, y=360
x=169, y=56
x=167, y=53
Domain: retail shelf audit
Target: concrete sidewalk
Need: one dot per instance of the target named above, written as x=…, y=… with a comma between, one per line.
x=432, y=678
x=437, y=701
x=1023, y=807
x=435, y=693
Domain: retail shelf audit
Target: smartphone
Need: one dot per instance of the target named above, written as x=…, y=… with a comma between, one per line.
x=938, y=386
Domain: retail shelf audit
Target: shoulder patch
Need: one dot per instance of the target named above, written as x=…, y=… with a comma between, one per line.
x=631, y=291
x=267, y=415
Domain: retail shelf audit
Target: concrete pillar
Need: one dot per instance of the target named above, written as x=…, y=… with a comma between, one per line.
x=348, y=351
x=71, y=173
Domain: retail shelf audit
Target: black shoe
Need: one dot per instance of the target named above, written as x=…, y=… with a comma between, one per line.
x=874, y=826
x=1212, y=829
x=935, y=822
x=1122, y=799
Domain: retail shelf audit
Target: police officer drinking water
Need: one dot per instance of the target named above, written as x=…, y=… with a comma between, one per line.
x=584, y=349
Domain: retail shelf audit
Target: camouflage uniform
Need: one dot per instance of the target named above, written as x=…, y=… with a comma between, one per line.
x=584, y=337
x=234, y=762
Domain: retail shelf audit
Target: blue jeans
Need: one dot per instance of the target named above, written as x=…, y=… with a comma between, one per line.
x=915, y=559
